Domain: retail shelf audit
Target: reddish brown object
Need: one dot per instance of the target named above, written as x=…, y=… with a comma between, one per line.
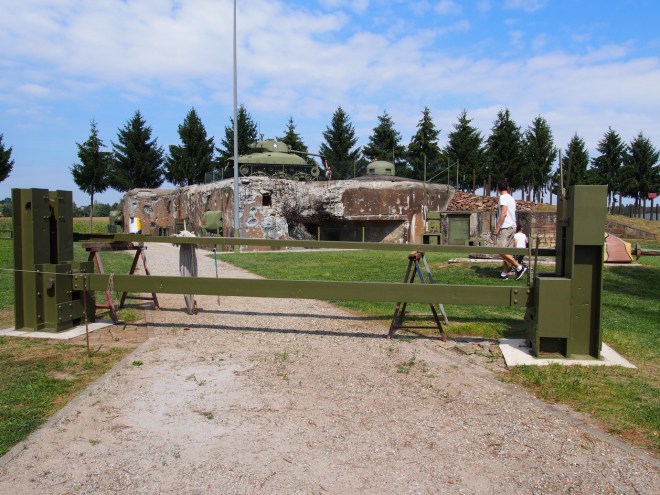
x=617, y=250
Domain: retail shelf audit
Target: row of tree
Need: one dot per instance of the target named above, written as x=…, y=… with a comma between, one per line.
x=527, y=158
x=100, y=209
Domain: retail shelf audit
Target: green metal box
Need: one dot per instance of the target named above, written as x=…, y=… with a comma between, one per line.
x=212, y=222
x=116, y=222
x=433, y=222
x=60, y=307
x=458, y=229
x=548, y=321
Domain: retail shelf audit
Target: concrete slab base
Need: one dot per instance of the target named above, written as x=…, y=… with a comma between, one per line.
x=516, y=352
x=66, y=335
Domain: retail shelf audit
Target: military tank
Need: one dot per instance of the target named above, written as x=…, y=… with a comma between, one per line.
x=272, y=158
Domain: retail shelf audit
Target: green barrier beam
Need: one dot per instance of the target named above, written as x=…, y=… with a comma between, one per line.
x=370, y=246
x=307, y=289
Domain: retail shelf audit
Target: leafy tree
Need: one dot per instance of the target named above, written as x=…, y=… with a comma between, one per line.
x=607, y=166
x=295, y=142
x=91, y=174
x=539, y=153
x=137, y=159
x=188, y=164
x=338, y=148
x=6, y=163
x=465, y=147
x=102, y=209
x=423, y=148
x=640, y=174
x=504, y=150
x=247, y=134
x=385, y=142
x=6, y=209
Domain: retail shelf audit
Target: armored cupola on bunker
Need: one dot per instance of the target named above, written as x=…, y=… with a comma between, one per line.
x=272, y=158
x=381, y=167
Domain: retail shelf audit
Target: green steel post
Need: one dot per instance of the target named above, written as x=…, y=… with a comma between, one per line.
x=31, y=223
x=43, y=261
x=564, y=315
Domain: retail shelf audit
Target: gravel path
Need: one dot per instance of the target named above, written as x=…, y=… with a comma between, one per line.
x=287, y=396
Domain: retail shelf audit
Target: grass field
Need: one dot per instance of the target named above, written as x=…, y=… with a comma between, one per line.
x=626, y=402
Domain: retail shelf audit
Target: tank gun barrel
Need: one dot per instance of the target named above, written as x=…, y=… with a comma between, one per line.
x=306, y=153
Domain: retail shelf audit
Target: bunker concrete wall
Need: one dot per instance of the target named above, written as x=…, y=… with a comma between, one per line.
x=383, y=209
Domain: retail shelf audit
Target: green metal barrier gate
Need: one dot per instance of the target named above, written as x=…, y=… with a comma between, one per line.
x=563, y=308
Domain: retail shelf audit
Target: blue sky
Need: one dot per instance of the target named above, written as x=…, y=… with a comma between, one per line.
x=583, y=65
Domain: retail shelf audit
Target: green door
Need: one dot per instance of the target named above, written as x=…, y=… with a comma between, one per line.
x=459, y=229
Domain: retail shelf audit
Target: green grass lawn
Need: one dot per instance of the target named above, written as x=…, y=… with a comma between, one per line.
x=386, y=266
x=626, y=402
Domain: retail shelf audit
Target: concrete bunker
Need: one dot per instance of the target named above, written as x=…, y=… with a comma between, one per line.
x=370, y=209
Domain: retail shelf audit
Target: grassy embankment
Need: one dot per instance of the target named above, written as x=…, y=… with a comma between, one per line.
x=625, y=402
x=40, y=376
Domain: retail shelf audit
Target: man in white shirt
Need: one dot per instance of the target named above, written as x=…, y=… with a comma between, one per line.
x=505, y=228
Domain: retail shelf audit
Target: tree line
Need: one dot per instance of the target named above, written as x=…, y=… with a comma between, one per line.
x=469, y=160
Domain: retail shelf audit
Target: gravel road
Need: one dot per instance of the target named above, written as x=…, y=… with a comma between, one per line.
x=286, y=396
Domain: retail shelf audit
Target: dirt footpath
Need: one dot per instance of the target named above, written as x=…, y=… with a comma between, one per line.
x=284, y=396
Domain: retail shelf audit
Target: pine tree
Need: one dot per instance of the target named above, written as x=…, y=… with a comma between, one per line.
x=247, y=134
x=187, y=164
x=465, y=147
x=295, y=142
x=640, y=174
x=338, y=147
x=137, y=159
x=539, y=154
x=504, y=150
x=91, y=174
x=576, y=160
x=424, y=154
x=385, y=143
x=607, y=166
x=6, y=163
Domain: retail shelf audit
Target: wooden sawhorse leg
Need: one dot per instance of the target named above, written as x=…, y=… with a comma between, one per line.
x=95, y=256
x=400, y=308
x=139, y=252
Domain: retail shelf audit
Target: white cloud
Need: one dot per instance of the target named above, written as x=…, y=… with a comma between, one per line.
x=359, y=6
x=605, y=53
x=34, y=90
x=484, y=6
x=516, y=38
x=448, y=7
x=539, y=42
x=305, y=63
x=525, y=5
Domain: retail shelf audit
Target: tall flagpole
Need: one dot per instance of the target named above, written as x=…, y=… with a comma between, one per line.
x=237, y=227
